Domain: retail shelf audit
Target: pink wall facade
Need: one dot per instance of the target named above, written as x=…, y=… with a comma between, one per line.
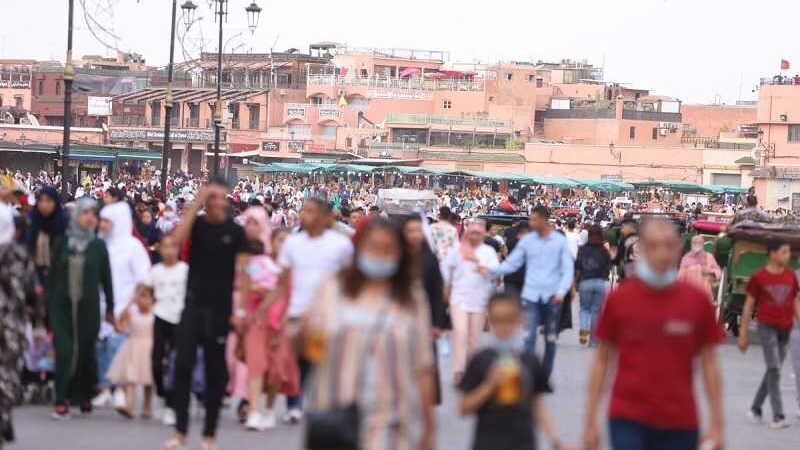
x=709, y=120
x=49, y=135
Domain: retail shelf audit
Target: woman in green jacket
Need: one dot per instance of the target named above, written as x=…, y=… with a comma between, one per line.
x=78, y=268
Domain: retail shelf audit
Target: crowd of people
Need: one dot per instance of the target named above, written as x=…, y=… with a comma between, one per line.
x=311, y=292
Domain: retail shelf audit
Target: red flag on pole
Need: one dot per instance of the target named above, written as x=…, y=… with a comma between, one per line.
x=784, y=64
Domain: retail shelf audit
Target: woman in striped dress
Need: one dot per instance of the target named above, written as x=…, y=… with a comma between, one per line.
x=369, y=334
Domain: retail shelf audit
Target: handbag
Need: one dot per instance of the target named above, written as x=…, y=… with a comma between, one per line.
x=338, y=428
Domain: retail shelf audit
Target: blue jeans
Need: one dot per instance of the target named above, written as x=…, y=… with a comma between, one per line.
x=105, y=351
x=546, y=314
x=593, y=293
x=632, y=435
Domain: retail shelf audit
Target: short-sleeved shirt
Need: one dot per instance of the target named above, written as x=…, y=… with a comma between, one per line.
x=776, y=295
x=312, y=260
x=500, y=426
x=657, y=334
x=212, y=264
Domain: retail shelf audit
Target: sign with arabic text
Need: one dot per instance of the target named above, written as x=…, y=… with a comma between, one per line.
x=270, y=146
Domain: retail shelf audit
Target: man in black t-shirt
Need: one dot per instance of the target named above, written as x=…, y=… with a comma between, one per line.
x=503, y=385
x=216, y=242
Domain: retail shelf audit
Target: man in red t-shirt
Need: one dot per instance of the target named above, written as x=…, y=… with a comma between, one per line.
x=654, y=327
x=774, y=288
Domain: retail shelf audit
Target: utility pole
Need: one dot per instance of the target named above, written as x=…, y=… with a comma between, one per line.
x=69, y=75
x=218, y=106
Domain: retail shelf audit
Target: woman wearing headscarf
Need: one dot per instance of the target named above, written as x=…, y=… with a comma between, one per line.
x=80, y=266
x=257, y=228
x=464, y=271
x=699, y=267
x=130, y=265
x=48, y=223
x=17, y=302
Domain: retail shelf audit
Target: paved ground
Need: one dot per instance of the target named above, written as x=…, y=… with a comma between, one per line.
x=104, y=430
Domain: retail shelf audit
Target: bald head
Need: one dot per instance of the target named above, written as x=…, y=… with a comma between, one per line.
x=660, y=244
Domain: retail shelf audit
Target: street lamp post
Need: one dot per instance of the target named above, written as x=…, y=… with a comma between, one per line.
x=69, y=75
x=188, y=8
x=253, y=12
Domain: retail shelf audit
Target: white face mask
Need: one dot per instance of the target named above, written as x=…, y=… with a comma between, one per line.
x=654, y=279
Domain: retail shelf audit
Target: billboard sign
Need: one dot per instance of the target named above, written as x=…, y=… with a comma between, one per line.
x=99, y=106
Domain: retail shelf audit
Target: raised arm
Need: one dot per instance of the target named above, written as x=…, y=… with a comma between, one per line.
x=184, y=228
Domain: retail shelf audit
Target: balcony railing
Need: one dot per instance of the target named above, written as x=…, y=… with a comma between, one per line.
x=191, y=122
x=656, y=116
x=399, y=83
x=587, y=113
x=780, y=80
x=447, y=120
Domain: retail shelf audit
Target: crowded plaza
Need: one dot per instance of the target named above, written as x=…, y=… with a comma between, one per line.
x=359, y=312
x=249, y=224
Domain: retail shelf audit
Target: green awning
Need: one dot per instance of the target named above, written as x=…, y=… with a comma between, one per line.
x=678, y=186
x=606, y=185
x=133, y=154
x=725, y=189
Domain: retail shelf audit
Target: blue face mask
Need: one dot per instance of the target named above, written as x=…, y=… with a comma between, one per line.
x=376, y=268
x=654, y=279
x=514, y=343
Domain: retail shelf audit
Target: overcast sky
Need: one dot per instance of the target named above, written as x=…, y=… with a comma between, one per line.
x=690, y=49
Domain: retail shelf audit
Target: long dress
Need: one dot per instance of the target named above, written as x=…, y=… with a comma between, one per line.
x=132, y=363
x=76, y=322
x=17, y=302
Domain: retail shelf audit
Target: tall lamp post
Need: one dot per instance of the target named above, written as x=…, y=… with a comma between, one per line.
x=253, y=12
x=188, y=8
x=69, y=75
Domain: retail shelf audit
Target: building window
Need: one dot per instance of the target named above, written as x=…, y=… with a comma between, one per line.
x=58, y=88
x=794, y=133
x=41, y=88
x=539, y=82
x=447, y=104
x=509, y=76
x=328, y=132
x=655, y=133
x=632, y=133
x=530, y=78
x=254, y=113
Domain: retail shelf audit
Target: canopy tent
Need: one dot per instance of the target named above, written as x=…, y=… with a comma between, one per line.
x=726, y=189
x=606, y=185
x=679, y=186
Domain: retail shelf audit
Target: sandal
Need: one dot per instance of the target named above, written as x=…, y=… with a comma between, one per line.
x=173, y=443
x=124, y=412
x=208, y=444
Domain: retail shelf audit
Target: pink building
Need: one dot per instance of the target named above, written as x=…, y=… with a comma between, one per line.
x=15, y=88
x=711, y=120
x=777, y=178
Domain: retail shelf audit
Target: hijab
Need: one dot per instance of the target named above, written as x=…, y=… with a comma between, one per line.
x=78, y=238
x=54, y=225
x=474, y=226
x=6, y=224
x=259, y=215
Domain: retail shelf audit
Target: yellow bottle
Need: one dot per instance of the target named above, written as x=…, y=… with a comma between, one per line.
x=508, y=391
x=314, y=345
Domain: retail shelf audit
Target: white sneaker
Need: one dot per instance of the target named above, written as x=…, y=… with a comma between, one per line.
x=293, y=416
x=268, y=420
x=119, y=399
x=779, y=424
x=168, y=419
x=755, y=418
x=103, y=399
x=254, y=422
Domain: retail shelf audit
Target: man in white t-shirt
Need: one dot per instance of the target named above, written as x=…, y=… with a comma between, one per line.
x=308, y=259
